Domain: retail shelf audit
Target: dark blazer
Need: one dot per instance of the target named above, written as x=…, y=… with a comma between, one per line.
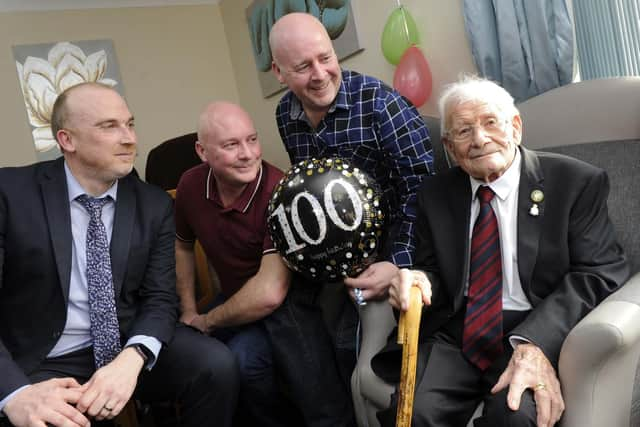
x=35, y=264
x=568, y=257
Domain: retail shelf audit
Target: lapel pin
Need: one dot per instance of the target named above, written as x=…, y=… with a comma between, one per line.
x=534, y=211
x=537, y=196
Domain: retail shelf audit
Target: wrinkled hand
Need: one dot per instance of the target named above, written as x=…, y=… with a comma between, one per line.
x=374, y=281
x=47, y=402
x=188, y=317
x=402, y=283
x=111, y=386
x=530, y=368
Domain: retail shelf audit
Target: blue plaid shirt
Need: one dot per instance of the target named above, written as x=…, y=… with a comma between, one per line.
x=377, y=130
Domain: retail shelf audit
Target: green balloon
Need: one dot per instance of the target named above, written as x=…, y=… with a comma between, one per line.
x=399, y=33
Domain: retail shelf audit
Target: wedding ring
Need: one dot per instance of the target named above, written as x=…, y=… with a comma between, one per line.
x=540, y=386
x=359, y=297
x=107, y=408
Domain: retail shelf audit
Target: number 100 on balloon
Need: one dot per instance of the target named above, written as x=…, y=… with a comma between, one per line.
x=326, y=218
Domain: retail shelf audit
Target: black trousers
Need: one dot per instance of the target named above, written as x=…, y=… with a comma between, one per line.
x=449, y=387
x=313, y=338
x=197, y=371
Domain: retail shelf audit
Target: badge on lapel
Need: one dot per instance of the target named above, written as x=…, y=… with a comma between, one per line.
x=537, y=196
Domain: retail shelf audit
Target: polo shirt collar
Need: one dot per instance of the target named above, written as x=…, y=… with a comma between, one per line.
x=243, y=202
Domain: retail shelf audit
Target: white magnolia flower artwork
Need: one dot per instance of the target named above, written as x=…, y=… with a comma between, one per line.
x=42, y=80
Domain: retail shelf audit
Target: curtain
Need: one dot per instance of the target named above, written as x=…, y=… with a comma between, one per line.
x=525, y=45
x=607, y=35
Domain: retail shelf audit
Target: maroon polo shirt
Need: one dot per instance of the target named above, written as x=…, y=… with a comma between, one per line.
x=234, y=238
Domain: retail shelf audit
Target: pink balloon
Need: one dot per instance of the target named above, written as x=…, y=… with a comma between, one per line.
x=413, y=77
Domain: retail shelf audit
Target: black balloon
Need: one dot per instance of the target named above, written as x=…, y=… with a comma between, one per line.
x=326, y=218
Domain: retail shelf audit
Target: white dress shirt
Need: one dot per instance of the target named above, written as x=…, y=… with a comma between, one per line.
x=505, y=206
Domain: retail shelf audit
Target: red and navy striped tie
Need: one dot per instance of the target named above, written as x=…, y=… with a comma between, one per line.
x=482, y=335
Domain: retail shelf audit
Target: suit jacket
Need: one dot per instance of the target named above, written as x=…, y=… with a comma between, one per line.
x=568, y=257
x=35, y=264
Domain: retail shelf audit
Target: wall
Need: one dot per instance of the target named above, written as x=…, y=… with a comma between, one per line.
x=173, y=60
x=443, y=39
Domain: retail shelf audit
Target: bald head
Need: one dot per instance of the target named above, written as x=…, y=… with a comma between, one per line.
x=228, y=142
x=291, y=28
x=62, y=108
x=305, y=61
x=219, y=115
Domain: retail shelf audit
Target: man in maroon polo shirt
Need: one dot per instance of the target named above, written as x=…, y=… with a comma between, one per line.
x=223, y=203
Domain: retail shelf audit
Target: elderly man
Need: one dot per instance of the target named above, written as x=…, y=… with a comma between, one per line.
x=88, y=306
x=329, y=112
x=514, y=247
x=223, y=203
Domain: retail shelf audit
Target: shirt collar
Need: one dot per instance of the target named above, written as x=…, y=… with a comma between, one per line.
x=75, y=189
x=244, y=201
x=504, y=185
x=343, y=100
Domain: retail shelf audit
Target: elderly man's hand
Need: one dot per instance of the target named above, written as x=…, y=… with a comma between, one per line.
x=530, y=368
x=402, y=283
x=111, y=387
x=47, y=402
x=374, y=281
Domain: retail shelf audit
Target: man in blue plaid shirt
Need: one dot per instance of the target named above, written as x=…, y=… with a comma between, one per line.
x=329, y=112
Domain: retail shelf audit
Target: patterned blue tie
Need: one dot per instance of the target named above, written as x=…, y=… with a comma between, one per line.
x=105, y=333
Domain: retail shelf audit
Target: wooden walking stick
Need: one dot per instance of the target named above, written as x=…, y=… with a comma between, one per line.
x=408, y=331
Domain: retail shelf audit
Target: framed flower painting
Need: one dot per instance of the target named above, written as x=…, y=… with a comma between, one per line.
x=46, y=70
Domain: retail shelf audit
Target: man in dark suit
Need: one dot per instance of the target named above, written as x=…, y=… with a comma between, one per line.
x=88, y=306
x=514, y=247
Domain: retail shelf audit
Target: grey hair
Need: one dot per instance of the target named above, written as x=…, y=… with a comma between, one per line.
x=471, y=88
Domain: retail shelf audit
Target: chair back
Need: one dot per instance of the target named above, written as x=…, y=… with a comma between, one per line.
x=621, y=160
x=441, y=160
x=596, y=121
x=167, y=161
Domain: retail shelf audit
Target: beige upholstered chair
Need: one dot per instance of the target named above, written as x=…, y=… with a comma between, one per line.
x=597, y=121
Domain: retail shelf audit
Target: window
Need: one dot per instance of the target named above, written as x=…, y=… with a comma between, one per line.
x=607, y=37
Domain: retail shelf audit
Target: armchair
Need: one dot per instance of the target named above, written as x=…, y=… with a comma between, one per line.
x=597, y=121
